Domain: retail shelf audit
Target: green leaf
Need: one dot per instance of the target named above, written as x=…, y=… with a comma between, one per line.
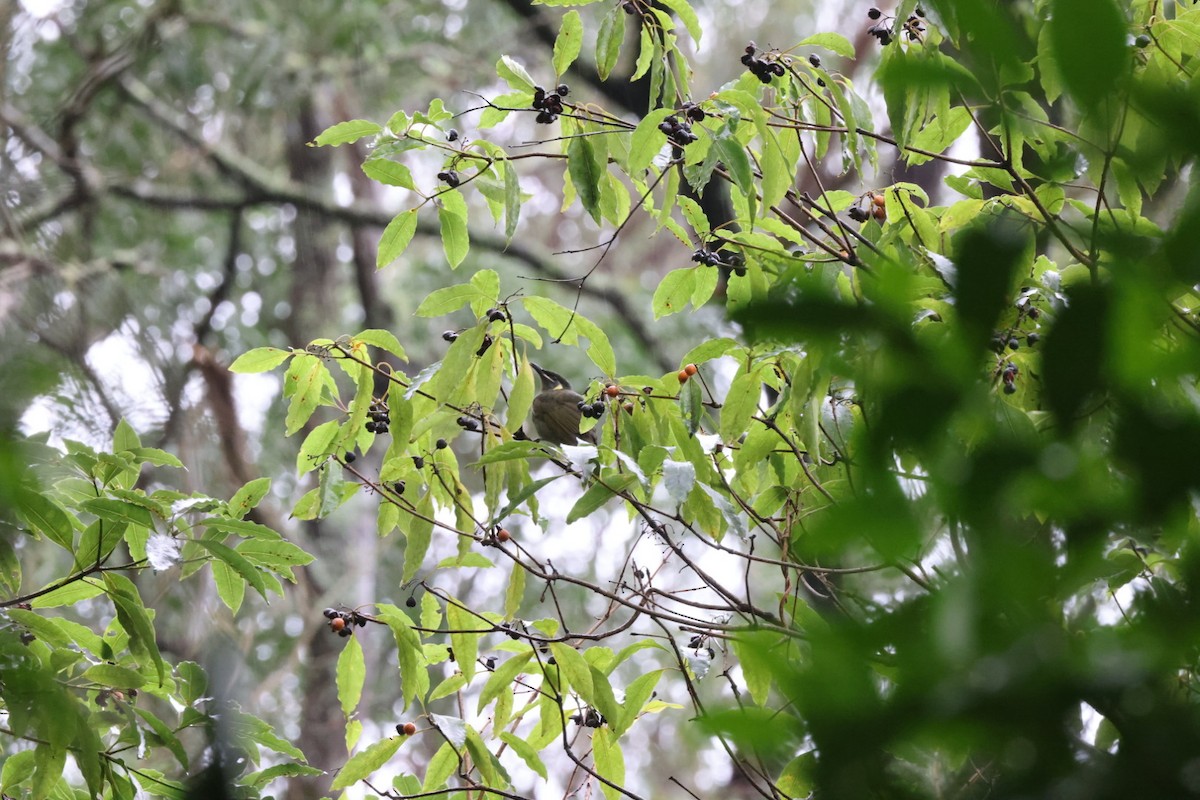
x=585, y=174
x=132, y=616
x=515, y=592
x=512, y=200
x=636, y=695
x=501, y=678
x=307, y=376
x=260, y=359
x=249, y=496
x=362, y=764
x=675, y=291
x=610, y=762
x=443, y=764
x=417, y=537
x=414, y=673
x=237, y=562
x=598, y=494
x=118, y=511
x=736, y=161
x=566, y=326
x=574, y=668
x=396, y=236
x=1088, y=40
x=452, y=215
x=346, y=133
x=113, y=676
x=609, y=40
x=351, y=674
x=465, y=642
x=687, y=14
x=647, y=140
x=525, y=752
x=514, y=74
x=165, y=734
x=388, y=172
x=46, y=517
x=568, y=42
x=833, y=42
x=741, y=403
x=384, y=340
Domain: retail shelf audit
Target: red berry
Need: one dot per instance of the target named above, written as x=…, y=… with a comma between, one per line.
x=683, y=376
x=503, y=535
x=691, y=369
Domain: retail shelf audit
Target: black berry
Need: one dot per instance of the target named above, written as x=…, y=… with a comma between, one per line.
x=349, y=459
x=562, y=90
x=449, y=336
x=440, y=444
x=874, y=13
x=815, y=60
x=452, y=135
x=1142, y=41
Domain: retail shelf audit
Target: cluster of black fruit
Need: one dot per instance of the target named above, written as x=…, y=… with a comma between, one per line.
x=377, y=417
x=815, y=60
x=591, y=718
x=467, y=423
x=1009, y=376
x=882, y=29
x=344, y=622
x=591, y=410
x=763, y=70
x=549, y=105
x=450, y=177
x=630, y=7
x=680, y=131
x=731, y=259
x=495, y=315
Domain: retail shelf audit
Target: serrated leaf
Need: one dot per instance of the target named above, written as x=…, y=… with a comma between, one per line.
x=260, y=359
x=396, y=237
x=346, y=132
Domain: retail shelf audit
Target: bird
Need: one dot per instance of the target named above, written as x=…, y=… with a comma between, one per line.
x=557, y=410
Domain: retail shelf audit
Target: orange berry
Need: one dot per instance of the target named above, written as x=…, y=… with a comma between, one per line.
x=612, y=390
x=683, y=376
x=503, y=535
x=337, y=623
x=409, y=729
x=691, y=369
x=880, y=213
x=879, y=200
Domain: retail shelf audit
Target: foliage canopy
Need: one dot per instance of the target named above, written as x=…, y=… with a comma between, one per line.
x=934, y=500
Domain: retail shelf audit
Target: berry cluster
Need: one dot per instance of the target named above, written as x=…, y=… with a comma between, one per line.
x=467, y=423
x=763, y=70
x=680, y=132
x=591, y=410
x=630, y=7
x=882, y=27
x=688, y=371
x=549, y=105
x=343, y=622
x=495, y=315
x=877, y=209
x=450, y=177
x=591, y=718
x=377, y=417
x=1009, y=376
x=731, y=259
x=406, y=728
x=815, y=60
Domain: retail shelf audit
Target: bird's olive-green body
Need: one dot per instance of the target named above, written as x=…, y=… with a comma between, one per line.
x=556, y=410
